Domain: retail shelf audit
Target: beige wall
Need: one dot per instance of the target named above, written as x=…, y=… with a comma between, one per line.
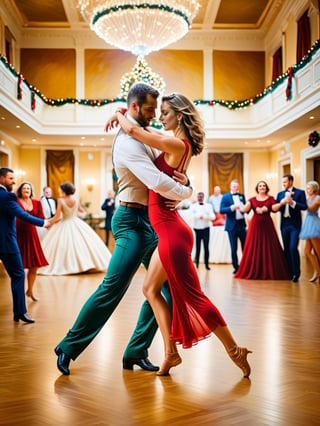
x=182, y=71
x=30, y=162
x=52, y=71
x=238, y=75
x=89, y=173
x=104, y=69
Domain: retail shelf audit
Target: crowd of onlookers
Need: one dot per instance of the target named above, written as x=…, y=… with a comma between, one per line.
x=263, y=255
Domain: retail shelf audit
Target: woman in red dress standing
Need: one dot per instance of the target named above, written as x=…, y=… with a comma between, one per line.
x=27, y=236
x=263, y=257
x=194, y=316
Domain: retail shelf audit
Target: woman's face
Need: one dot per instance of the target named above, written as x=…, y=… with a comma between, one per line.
x=262, y=188
x=26, y=191
x=309, y=190
x=168, y=117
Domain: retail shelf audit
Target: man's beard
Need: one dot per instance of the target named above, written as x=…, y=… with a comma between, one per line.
x=142, y=120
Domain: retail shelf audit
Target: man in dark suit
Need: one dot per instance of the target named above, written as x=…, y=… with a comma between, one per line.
x=9, y=250
x=235, y=223
x=291, y=202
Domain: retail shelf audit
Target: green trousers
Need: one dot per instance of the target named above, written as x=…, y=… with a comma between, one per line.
x=135, y=243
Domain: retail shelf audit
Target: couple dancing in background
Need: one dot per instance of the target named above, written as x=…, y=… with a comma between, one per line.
x=194, y=316
x=72, y=246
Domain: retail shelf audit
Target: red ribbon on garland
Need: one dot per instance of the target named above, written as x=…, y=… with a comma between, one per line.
x=289, y=85
x=19, y=91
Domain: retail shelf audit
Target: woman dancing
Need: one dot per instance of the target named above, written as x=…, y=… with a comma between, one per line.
x=194, y=316
x=72, y=246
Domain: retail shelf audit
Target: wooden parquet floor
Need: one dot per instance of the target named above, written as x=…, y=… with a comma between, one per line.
x=279, y=321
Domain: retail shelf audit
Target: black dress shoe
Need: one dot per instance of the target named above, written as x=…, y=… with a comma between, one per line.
x=143, y=363
x=295, y=279
x=235, y=270
x=208, y=268
x=63, y=361
x=24, y=318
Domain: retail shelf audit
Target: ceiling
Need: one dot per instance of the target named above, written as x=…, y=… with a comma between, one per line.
x=213, y=15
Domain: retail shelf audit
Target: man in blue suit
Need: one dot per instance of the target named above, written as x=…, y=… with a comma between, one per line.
x=291, y=202
x=9, y=250
x=235, y=223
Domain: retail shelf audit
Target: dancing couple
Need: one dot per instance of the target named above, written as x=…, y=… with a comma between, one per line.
x=193, y=316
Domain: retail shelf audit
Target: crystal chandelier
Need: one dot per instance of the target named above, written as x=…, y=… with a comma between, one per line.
x=138, y=26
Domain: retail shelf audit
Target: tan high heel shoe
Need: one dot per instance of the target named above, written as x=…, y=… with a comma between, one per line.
x=171, y=360
x=239, y=357
x=315, y=277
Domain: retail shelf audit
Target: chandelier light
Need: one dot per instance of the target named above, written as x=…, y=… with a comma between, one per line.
x=138, y=26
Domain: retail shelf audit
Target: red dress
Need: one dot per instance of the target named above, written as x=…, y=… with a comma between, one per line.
x=194, y=316
x=262, y=257
x=28, y=239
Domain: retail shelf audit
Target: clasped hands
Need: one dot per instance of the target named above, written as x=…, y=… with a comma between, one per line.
x=261, y=210
x=47, y=223
x=288, y=198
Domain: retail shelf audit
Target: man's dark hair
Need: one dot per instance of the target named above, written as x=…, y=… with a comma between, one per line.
x=288, y=176
x=139, y=92
x=5, y=170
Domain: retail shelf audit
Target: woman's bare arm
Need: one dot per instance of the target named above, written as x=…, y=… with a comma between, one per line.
x=160, y=141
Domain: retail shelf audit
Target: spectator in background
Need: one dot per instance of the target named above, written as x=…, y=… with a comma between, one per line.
x=49, y=207
x=215, y=201
x=109, y=207
x=49, y=204
x=203, y=216
x=28, y=238
x=9, y=249
x=263, y=257
x=310, y=230
x=235, y=224
x=291, y=202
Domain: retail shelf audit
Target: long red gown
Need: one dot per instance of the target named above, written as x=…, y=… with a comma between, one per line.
x=262, y=257
x=194, y=316
x=28, y=239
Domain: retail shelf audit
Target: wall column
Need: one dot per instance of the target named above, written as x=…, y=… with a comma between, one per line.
x=80, y=73
x=208, y=91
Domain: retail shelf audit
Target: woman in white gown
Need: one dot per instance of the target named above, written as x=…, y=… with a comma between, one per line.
x=72, y=246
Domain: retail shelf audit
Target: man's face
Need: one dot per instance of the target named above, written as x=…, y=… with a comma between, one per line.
x=200, y=197
x=47, y=192
x=146, y=112
x=234, y=186
x=8, y=181
x=286, y=183
x=217, y=190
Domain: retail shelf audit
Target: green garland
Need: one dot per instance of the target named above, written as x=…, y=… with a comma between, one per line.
x=232, y=105
x=140, y=6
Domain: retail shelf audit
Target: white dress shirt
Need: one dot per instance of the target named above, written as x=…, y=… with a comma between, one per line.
x=137, y=173
x=203, y=215
x=48, y=206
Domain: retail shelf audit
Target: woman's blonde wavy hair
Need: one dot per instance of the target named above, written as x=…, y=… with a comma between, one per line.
x=191, y=121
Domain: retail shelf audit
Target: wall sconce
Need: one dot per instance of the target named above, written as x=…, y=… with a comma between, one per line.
x=90, y=184
x=20, y=174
